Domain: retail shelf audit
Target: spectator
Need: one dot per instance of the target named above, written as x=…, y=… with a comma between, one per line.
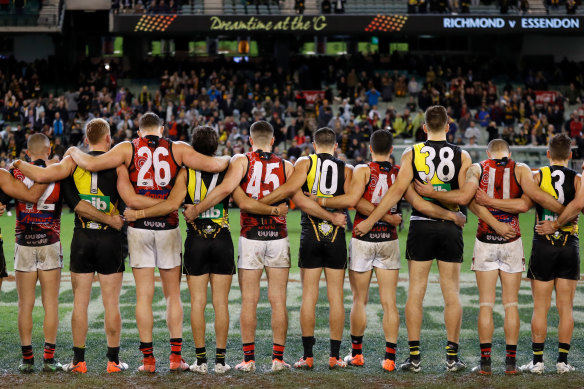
x=325, y=6
x=373, y=96
x=571, y=7
x=493, y=131
x=299, y=6
x=339, y=6
x=471, y=132
x=576, y=127
x=58, y=126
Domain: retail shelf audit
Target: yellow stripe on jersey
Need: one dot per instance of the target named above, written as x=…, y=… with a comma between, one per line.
x=312, y=181
x=86, y=183
x=197, y=191
x=546, y=184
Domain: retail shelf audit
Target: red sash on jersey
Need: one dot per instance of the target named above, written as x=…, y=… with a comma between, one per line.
x=38, y=224
x=382, y=177
x=265, y=173
x=153, y=172
x=499, y=181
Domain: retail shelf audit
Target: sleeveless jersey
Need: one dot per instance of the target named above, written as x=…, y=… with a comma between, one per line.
x=499, y=181
x=153, y=172
x=558, y=181
x=210, y=222
x=265, y=173
x=38, y=224
x=325, y=178
x=381, y=179
x=98, y=188
x=439, y=163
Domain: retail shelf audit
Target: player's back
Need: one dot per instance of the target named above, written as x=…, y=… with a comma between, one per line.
x=153, y=172
x=265, y=173
x=558, y=181
x=439, y=163
x=382, y=176
x=199, y=185
x=499, y=181
x=38, y=224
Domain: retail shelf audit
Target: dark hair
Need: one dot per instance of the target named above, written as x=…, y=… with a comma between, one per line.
x=560, y=147
x=149, y=121
x=436, y=118
x=325, y=137
x=498, y=145
x=205, y=140
x=381, y=141
x=261, y=132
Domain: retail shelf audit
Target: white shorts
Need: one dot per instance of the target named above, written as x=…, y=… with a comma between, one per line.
x=507, y=257
x=33, y=258
x=257, y=254
x=364, y=256
x=155, y=248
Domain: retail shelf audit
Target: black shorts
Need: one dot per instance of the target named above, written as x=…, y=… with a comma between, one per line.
x=3, y=270
x=549, y=262
x=209, y=255
x=428, y=240
x=316, y=254
x=96, y=251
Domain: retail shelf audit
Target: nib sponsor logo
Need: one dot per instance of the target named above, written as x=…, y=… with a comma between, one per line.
x=99, y=202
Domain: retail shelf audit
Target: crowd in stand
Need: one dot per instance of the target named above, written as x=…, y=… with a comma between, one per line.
x=229, y=97
x=465, y=6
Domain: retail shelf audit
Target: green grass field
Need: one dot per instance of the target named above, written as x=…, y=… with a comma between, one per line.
x=433, y=335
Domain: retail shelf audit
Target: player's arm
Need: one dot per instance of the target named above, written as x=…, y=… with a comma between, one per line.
x=530, y=187
x=571, y=211
x=365, y=207
x=292, y=184
x=469, y=175
x=84, y=208
x=129, y=195
x=353, y=191
x=117, y=156
x=503, y=229
x=249, y=205
x=432, y=210
x=17, y=190
x=393, y=195
x=44, y=175
x=198, y=161
x=313, y=209
x=233, y=176
x=519, y=205
x=165, y=207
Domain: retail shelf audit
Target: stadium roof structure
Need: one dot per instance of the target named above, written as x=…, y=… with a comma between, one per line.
x=346, y=24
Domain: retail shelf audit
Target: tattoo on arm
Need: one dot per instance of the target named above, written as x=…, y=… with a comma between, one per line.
x=471, y=175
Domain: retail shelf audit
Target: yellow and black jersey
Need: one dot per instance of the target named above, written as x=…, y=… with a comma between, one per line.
x=558, y=181
x=213, y=219
x=439, y=163
x=325, y=178
x=97, y=188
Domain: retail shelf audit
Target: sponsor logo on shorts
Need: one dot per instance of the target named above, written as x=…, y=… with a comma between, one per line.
x=325, y=228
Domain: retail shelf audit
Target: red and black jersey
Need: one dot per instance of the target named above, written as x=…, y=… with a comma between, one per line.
x=265, y=173
x=499, y=181
x=381, y=179
x=38, y=224
x=153, y=172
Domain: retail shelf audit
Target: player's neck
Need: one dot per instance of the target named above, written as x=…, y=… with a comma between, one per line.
x=100, y=147
x=264, y=148
x=325, y=151
x=437, y=137
x=37, y=157
x=557, y=162
x=497, y=157
x=379, y=158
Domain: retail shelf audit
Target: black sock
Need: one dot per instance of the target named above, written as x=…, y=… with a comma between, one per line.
x=390, y=351
x=356, y=345
x=201, y=355
x=451, y=351
x=49, y=352
x=486, y=352
x=176, y=346
x=249, y=351
x=335, y=349
x=564, y=349
x=414, y=350
x=220, y=356
x=511, y=354
x=78, y=354
x=146, y=348
x=113, y=354
x=27, y=354
x=537, y=352
x=307, y=343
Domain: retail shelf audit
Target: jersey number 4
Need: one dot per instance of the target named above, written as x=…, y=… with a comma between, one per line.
x=161, y=168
